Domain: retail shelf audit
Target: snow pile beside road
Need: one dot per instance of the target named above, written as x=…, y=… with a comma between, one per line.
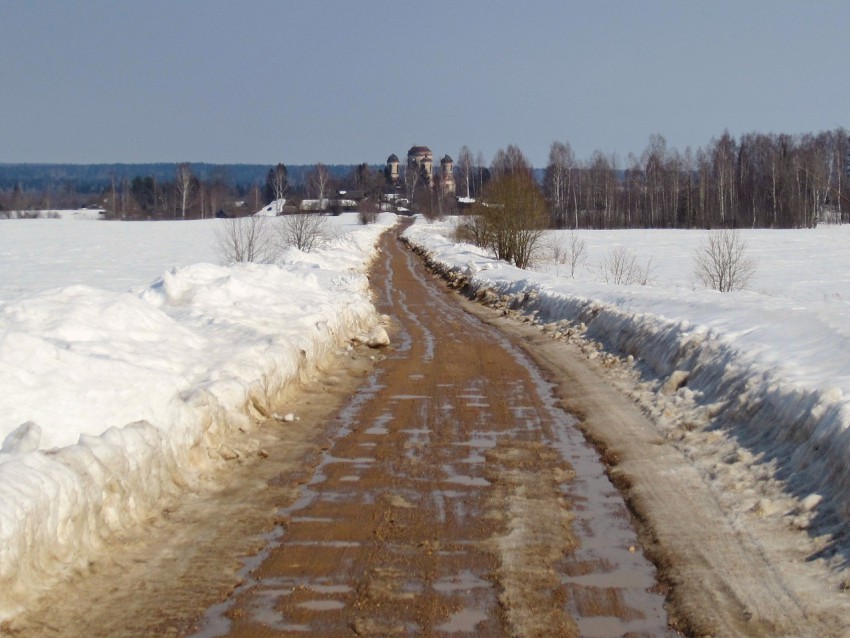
x=57, y=213
x=771, y=371
x=115, y=401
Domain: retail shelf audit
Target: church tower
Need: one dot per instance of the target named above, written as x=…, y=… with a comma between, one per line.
x=447, y=178
x=421, y=158
x=392, y=169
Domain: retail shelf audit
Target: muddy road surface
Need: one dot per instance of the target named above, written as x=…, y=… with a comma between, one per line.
x=434, y=488
x=454, y=497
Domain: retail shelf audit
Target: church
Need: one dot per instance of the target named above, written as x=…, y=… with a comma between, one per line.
x=420, y=158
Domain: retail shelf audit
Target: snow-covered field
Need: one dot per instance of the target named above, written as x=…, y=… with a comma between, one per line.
x=767, y=369
x=129, y=361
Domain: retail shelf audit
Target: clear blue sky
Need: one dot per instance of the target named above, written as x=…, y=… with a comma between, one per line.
x=343, y=82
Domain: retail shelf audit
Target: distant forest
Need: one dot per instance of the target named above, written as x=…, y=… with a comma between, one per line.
x=169, y=190
x=757, y=181
x=761, y=180
x=96, y=178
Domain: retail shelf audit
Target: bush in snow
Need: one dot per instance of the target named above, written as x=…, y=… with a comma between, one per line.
x=721, y=262
x=568, y=250
x=471, y=229
x=621, y=267
x=304, y=231
x=246, y=239
x=511, y=218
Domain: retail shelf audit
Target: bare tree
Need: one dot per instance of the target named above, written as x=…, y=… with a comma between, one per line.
x=217, y=192
x=246, y=239
x=465, y=166
x=185, y=186
x=412, y=178
x=569, y=250
x=482, y=174
x=622, y=268
x=277, y=186
x=510, y=161
x=368, y=211
x=512, y=217
x=304, y=231
x=319, y=182
x=472, y=229
x=255, y=194
x=722, y=263
x=557, y=181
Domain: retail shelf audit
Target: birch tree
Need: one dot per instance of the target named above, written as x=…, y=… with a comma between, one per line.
x=277, y=186
x=465, y=169
x=557, y=181
x=319, y=182
x=185, y=186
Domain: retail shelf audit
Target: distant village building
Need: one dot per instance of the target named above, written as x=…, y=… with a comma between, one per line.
x=421, y=159
x=392, y=169
x=447, y=177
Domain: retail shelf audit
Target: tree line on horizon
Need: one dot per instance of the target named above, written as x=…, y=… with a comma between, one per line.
x=758, y=181
x=173, y=191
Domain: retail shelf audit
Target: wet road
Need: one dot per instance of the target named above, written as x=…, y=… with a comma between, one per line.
x=454, y=497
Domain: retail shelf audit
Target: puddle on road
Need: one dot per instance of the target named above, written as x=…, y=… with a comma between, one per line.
x=469, y=481
x=312, y=519
x=329, y=589
x=464, y=620
x=464, y=581
x=322, y=605
x=267, y=595
x=332, y=544
x=613, y=595
x=215, y=622
x=379, y=425
x=610, y=572
x=478, y=443
x=456, y=503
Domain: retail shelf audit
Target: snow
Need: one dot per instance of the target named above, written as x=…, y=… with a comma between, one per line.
x=63, y=213
x=767, y=367
x=132, y=368
x=131, y=363
x=272, y=210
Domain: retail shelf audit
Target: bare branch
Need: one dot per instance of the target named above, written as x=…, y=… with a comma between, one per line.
x=246, y=239
x=304, y=231
x=721, y=262
x=622, y=268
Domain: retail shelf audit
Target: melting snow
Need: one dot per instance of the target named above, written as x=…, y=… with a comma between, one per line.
x=119, y=392
x=769, y=365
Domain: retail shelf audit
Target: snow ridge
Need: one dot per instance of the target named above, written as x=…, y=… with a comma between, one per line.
x=124, y=400
x=776, y=411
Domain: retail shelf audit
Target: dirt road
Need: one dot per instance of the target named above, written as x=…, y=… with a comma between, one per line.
x=454, y=497
x=442, y=487
x=450, y=495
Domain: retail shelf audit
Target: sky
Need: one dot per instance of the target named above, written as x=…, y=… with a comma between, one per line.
x=260, y=81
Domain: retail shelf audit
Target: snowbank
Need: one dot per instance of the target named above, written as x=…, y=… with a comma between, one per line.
x=113, y=401
x=56, y=213
x=772, y=368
